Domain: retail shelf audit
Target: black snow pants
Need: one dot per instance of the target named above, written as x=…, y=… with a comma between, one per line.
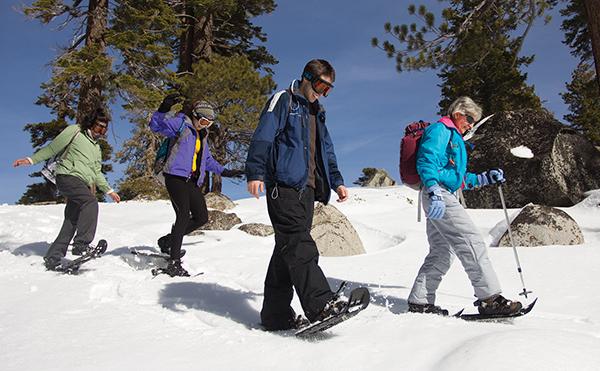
x=186, y=197
x=81, y=215
x=294, y=262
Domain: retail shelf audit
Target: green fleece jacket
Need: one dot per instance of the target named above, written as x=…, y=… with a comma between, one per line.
x=83, y=158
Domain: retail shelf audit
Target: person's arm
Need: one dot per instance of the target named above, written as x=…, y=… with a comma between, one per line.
x=431, y=153
x=335, y=177
x=272, y=120
x=212, y=165
x=56, y=146
x=167, y=126
x=471, y=181
x=103, y=185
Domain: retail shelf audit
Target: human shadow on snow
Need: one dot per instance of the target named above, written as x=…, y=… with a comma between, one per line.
x=30, y=249
x=212, y=298
x=392, y=303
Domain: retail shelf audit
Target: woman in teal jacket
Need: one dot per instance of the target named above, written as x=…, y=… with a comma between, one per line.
x=442, y=166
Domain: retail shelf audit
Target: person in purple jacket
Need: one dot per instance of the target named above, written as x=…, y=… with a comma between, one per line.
x=188, y=160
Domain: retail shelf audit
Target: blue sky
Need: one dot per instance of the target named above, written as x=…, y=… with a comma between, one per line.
x=366, y=112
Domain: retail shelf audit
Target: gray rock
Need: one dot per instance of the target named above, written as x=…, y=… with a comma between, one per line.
x=538, y=225
x=218, y=201
x=565, y=164
x=257, y=229
x=220, y=221
x=334, y=234
x=375, y=178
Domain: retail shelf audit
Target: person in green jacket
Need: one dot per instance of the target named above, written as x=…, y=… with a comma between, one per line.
x=78, y=174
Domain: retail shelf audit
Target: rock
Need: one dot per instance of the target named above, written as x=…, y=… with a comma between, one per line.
x=375, y=178
x=565, y=164
x=538, y=225
x=257, y=229
x=220, y=221
x=334, y=234
x=218, y=201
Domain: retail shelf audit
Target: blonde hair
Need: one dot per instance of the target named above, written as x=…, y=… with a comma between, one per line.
x=466, y=106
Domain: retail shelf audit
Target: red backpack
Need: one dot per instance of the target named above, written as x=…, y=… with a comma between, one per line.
x=409, y=145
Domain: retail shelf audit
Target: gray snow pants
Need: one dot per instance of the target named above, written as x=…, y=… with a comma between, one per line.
x=454, y=234
x=81, y=215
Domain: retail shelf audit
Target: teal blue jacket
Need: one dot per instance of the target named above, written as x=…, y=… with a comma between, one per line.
x=442, y=157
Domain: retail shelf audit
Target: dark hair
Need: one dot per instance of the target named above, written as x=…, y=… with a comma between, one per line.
x=99, y=114
x=319, y=67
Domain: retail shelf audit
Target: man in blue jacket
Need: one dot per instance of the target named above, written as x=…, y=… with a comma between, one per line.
x=291, y=154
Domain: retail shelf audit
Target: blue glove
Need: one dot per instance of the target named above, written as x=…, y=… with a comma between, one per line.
x=437, y=208
x=491, y=176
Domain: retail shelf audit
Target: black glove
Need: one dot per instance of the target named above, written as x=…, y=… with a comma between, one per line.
x=235, y=173
x=169, y=101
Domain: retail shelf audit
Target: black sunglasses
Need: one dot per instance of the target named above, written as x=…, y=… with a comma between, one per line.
x=470, y=119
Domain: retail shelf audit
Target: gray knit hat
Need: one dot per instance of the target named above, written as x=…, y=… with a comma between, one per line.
x=204, y=109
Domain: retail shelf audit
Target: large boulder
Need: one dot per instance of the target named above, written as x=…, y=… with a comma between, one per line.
x=220, y=221
x=218, y=201
x=334, y=234
x=564, y=165
x=375, y=178
x=538, y=225
x=257, y=229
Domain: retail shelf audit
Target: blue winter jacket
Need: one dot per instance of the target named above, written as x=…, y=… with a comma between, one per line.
x=280, y=148
x=181, y=156
x=442, y=157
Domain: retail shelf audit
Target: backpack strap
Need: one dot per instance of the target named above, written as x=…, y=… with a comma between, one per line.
x=68, y=145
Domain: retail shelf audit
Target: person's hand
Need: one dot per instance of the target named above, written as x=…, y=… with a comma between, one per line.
x=21, y=162
x=342, y=193
x=492, y=176
x=233, y=173
x=115, y=197
x=255, y=187
x=437, y=208
x=169, y=101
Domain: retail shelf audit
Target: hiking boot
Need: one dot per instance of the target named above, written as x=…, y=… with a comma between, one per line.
x=165, y=244
x=427, y=308
x=174, y=268
x=334, y=307
x=81, y=249
x=498, y=304
x=51, y=263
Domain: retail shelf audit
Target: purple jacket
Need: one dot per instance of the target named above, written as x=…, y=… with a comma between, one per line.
x=182, y=153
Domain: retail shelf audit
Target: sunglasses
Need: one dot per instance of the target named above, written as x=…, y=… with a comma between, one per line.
x=470, y=119
x=319, y=85
x=203, y=120
x=100, y=128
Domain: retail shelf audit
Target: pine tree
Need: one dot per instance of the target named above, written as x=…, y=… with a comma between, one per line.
x=582, y=94
x=200, y=33
x=476, y=46
x=582, y=98
x=80, y=74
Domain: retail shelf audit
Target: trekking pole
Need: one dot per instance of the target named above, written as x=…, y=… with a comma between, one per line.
x=512, y=242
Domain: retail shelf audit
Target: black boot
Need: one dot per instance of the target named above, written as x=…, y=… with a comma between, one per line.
x=333, y=307
x=51, y=263
x=81, y=249
x=165, y=244
x=174, y=268
x=498, y=304
x=426, y=308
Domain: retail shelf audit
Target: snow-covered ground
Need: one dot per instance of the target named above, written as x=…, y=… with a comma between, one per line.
x=115, y=316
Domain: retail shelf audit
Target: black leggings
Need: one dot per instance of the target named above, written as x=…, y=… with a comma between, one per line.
x=186, y=197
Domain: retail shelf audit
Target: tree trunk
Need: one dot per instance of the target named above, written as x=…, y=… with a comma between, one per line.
x=90, y=93
x=218, y=137
x=196, y=41
x=592, y=8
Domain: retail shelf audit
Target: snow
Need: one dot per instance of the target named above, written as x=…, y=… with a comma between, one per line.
x=114, y=315
x=521, y=152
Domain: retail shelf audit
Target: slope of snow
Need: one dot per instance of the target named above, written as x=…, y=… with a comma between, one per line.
x=114, y=315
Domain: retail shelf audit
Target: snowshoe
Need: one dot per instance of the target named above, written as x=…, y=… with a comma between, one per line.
x=357, y=302
x=427, y=308
x=72, y=267
x=498, y=305
x=496, y=317
x=81, y=249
